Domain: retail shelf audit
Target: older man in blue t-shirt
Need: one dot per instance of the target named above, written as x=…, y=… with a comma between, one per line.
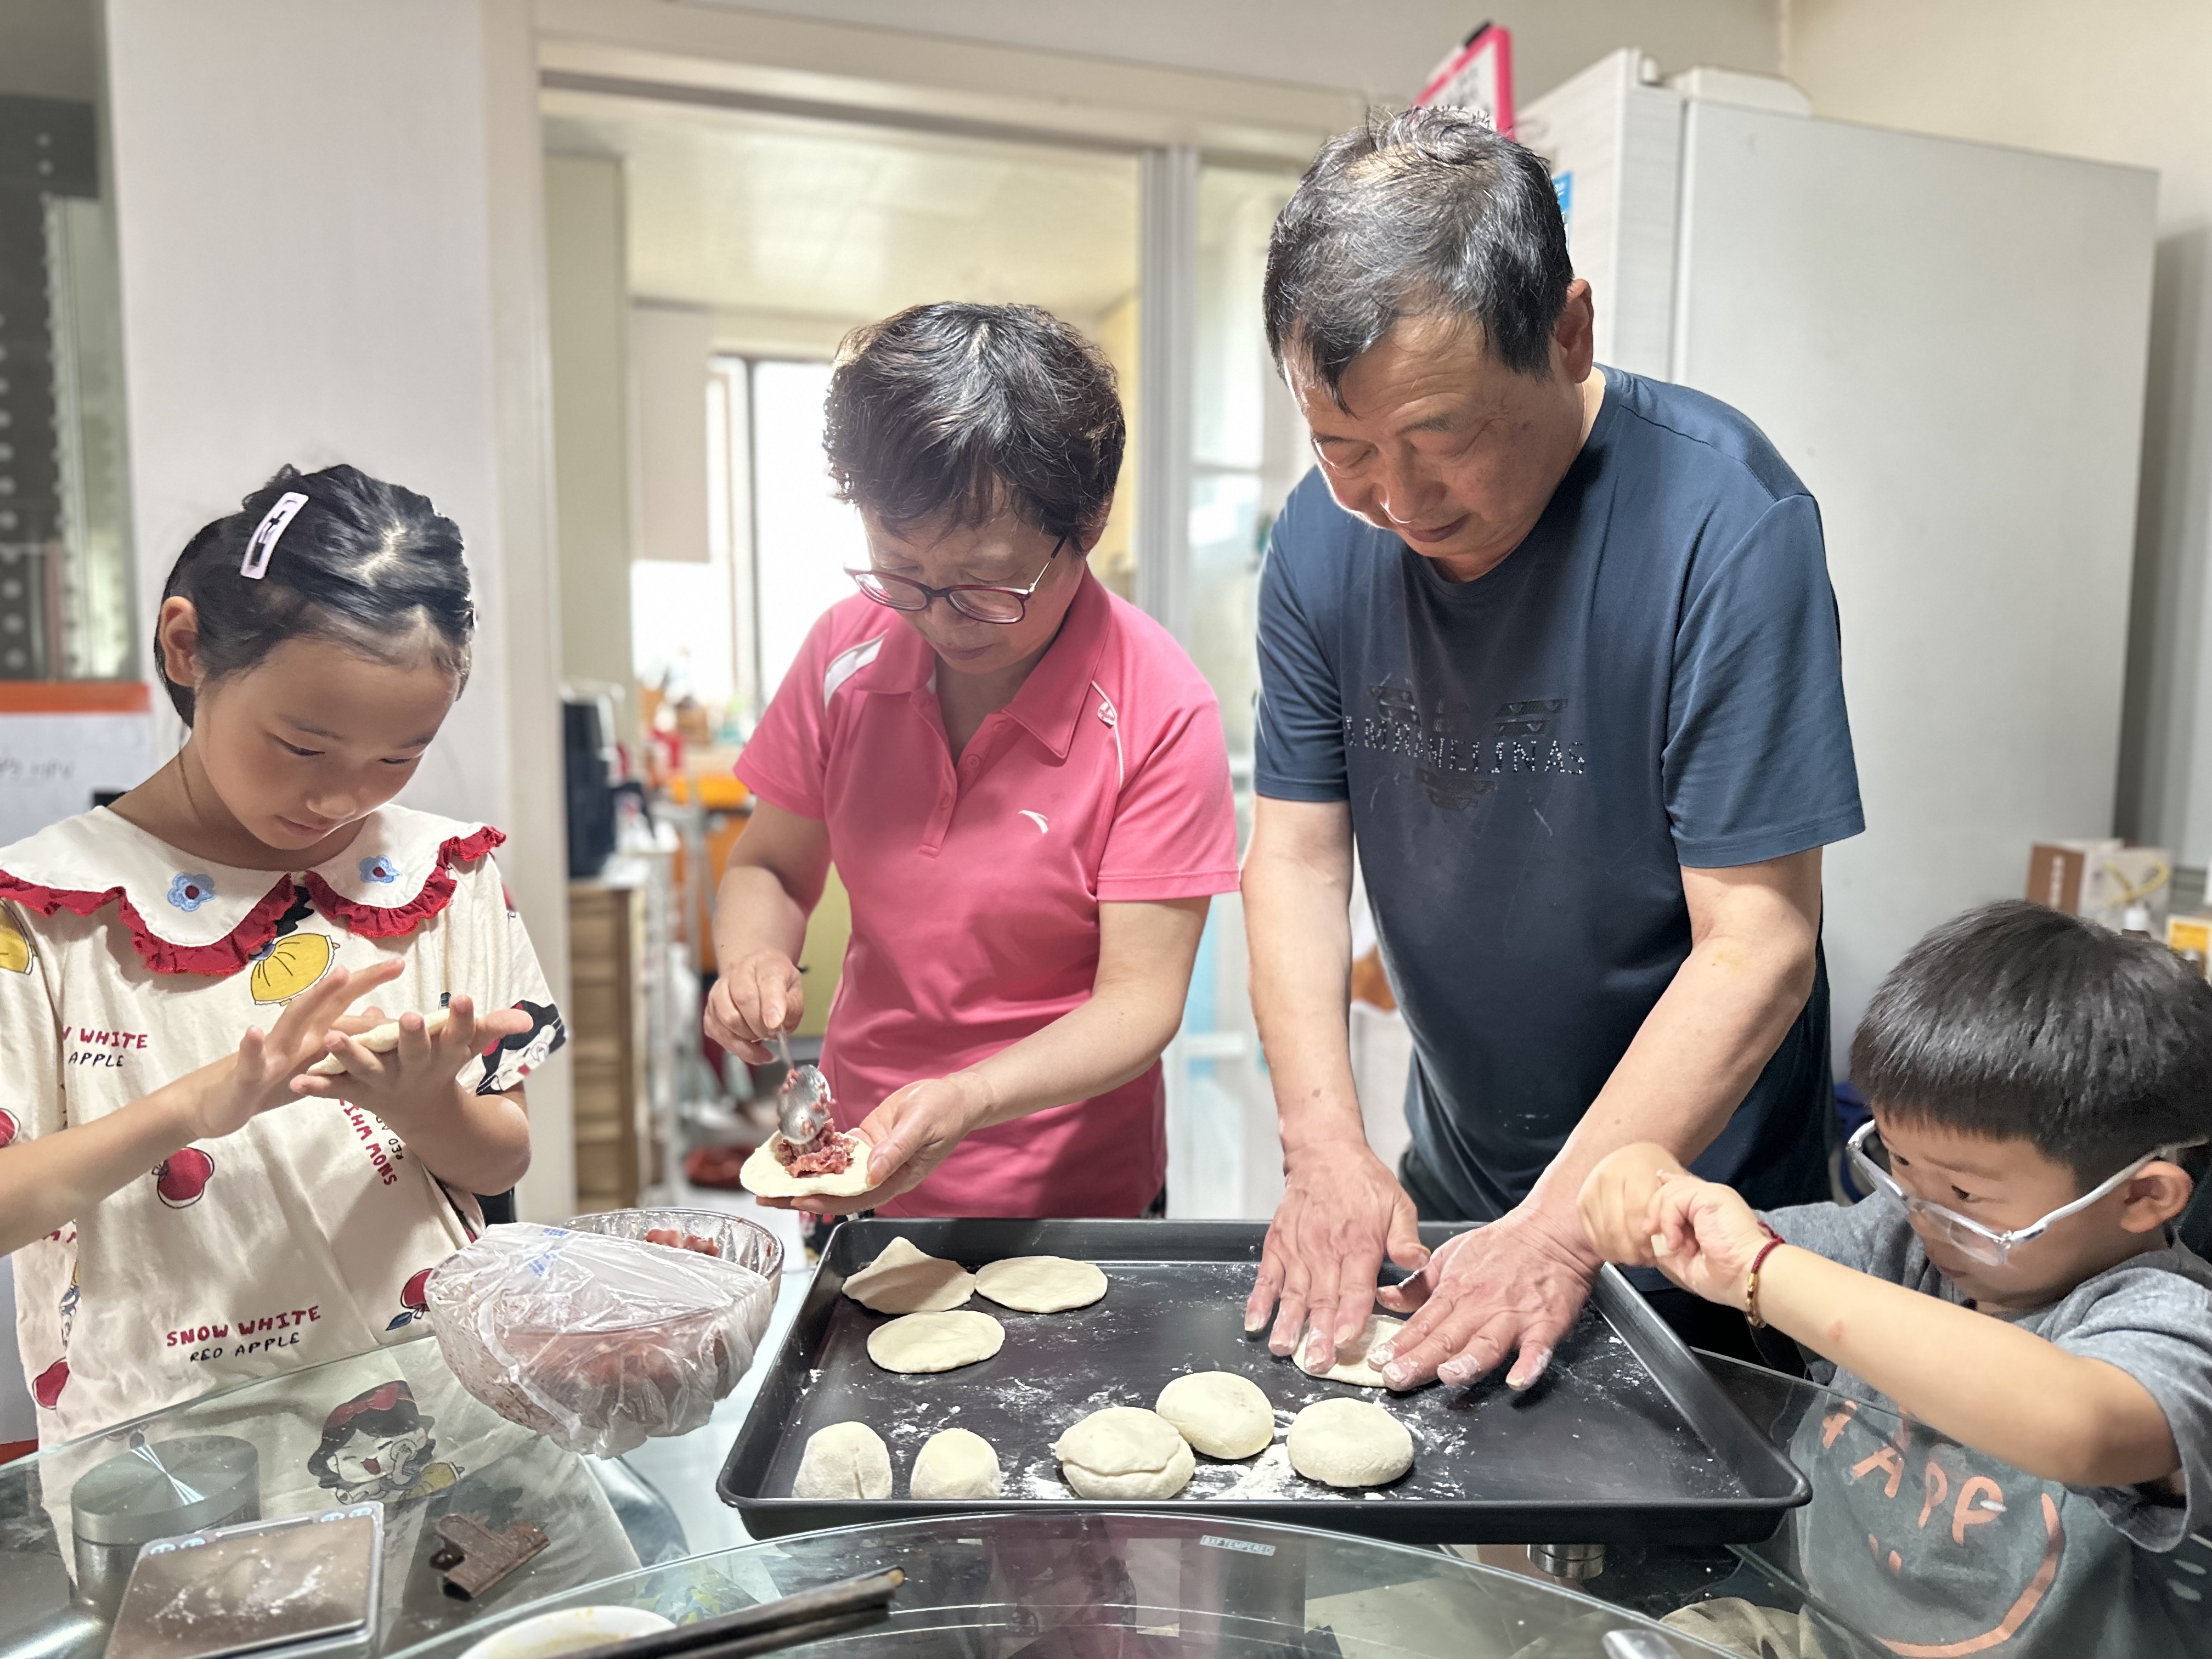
x=1555, y=648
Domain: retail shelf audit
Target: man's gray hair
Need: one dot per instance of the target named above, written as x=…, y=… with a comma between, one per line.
x=1432, y=212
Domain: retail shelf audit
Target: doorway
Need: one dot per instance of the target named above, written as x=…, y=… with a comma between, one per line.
x=778, y=235
x=760, y=239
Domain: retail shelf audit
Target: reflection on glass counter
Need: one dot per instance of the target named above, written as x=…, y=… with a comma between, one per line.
x=1071, y=1586
x=391, y=1427
x=1910, y=1545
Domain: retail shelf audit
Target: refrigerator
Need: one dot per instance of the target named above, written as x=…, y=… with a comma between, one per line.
x=1947, y=342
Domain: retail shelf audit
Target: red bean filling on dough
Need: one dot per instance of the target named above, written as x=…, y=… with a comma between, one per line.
x=679, y=1241
x=833, y=1157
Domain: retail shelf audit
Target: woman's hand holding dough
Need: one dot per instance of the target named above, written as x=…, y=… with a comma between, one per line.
x=758, y=995
x=265, y=1072
x=913, y=1132
x=416, y=1076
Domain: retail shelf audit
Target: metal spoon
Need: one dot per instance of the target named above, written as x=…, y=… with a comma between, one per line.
x=801, y=1110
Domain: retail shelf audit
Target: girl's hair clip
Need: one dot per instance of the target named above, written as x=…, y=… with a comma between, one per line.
x=255, y=565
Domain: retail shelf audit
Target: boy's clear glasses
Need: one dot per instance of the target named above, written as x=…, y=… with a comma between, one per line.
x=1870, y=1162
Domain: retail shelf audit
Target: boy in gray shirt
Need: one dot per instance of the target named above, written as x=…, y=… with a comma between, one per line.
x=2042, y=1096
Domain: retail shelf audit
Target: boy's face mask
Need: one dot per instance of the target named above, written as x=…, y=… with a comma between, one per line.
x=1983, y=1240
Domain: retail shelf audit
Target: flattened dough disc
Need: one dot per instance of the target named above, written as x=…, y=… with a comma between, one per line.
x=1040, y=1283
x=1352, y=1365
x=935, y=1341
x=763, y=1176
x=903, y=1280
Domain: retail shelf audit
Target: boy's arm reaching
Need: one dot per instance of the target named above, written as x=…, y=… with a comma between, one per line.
x=1986, y=1382
x=1616, y=1201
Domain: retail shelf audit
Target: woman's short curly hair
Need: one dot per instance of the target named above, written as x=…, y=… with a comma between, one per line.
x=957, y=412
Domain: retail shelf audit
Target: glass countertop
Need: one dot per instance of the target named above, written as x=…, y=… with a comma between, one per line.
x=1139, y=1586
x=1910, y=1542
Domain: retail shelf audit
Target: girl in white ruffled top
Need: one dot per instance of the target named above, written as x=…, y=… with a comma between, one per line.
x=189, y=1206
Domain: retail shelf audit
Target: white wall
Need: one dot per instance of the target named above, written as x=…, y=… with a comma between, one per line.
x=587, y=286
x=330, y=236
x=2123, y=83
x=1382, y=51
x=670, y=348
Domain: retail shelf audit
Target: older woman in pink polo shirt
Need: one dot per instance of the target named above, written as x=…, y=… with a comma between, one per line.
x=1020, y=778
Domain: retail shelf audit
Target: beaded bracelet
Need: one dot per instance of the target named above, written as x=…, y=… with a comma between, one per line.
x=1751, y=1283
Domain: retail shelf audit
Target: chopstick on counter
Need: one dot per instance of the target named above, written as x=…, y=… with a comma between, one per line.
x=809, y=1616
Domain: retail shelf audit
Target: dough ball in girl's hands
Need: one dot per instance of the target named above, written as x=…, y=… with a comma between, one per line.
x=1125, y=1452
x=846, y=1460
x=1349, y=1443
x=1219, y=1413
x=957, y=1463
x=382, y=1040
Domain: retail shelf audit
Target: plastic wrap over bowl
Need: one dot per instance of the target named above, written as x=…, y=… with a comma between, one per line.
x=600, y=1341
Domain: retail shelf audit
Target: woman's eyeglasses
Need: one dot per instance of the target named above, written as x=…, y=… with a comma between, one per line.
x=1871, y=1162
x=977, y=601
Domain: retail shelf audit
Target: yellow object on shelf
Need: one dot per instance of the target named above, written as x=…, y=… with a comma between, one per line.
x=716, y=791
x=2190, y=938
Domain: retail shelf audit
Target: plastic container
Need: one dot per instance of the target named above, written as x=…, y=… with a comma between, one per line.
x=746, y=1242
x=600, y=1341
x=157, y=1491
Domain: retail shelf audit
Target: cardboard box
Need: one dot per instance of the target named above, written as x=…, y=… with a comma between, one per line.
x=2190, y=938
x=2106, y=881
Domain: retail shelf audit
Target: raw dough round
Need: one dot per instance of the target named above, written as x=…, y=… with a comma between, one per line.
x=846, y=1460
x=903, y=1280
x=957, y=1463
x=1352, y=1365
x=1219, y=1412
x=1125, y=1452
x=935, y=1341
x=763, y=1176
x=1040, y=1283
x=1349, y=1443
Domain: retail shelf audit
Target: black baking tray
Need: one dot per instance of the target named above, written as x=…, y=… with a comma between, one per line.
x=1626, y=1440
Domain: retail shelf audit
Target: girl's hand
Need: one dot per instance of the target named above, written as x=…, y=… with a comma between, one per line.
x=1616, y=1201
x=1705, y=1237
x=419, y=1075
x=264, y=1072
x=758, y=994
x=909, y=1135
